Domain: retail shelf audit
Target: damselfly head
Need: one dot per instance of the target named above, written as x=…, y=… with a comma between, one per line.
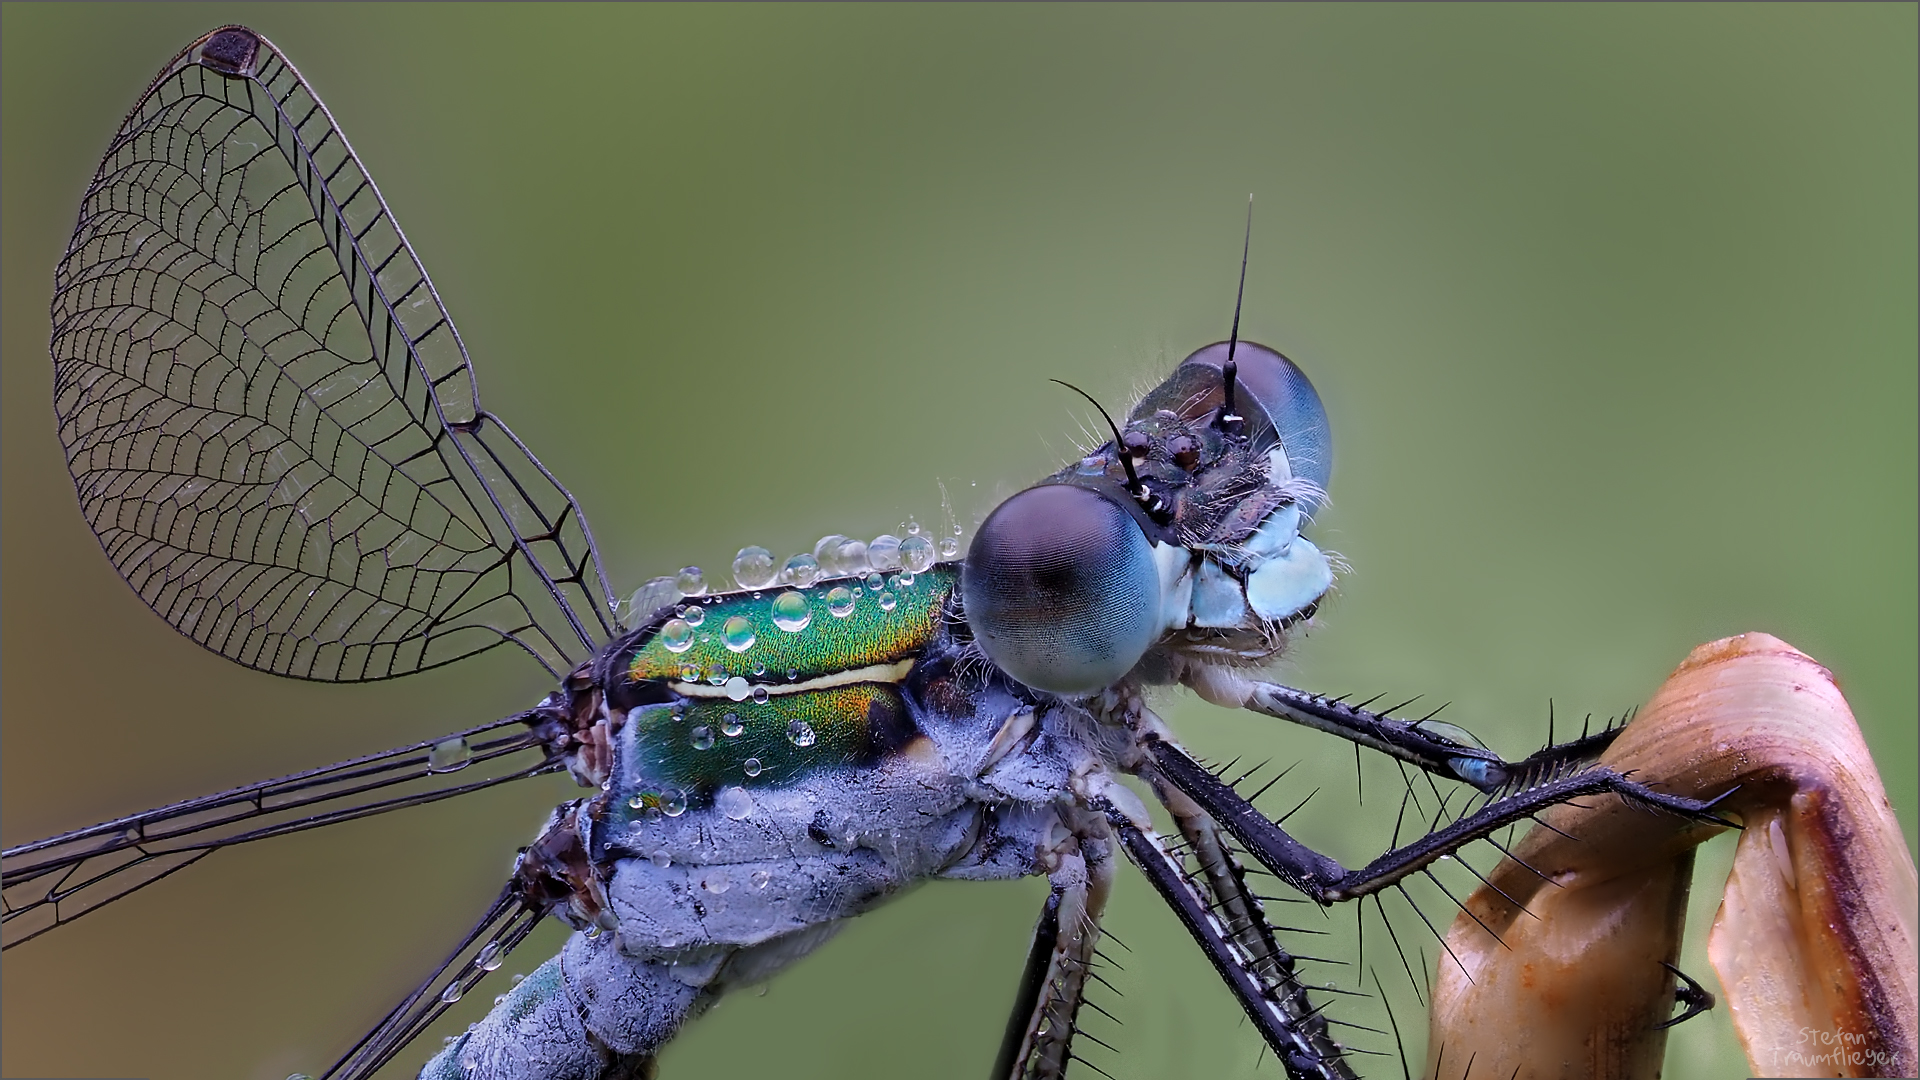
x=1182, y=532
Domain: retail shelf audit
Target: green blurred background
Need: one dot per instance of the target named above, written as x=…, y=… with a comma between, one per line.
x=1613, y=309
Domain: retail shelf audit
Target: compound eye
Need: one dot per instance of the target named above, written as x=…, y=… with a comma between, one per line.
x=1280, y=390
x=1060, y=589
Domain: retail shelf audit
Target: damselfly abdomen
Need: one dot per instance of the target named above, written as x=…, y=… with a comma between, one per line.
x=686, y=508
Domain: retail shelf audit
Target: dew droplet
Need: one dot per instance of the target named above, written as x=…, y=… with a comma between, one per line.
x=949, y=547
x=888, y=601
x=883, y=553
x=760, y=695
x=649, y=598
x=661, y=859
x=449, y=754
x=903, y=579
x=800, y=733
x=752, y=766
x=840, y=601
x=637, y=802
x=695, y=614
x=730, y=725
x=737, y=690
x=801, y=571
x=737, y=633
x=452, y=993
x=759, y=668
x=790, y=612
x=760, y=878
x=913, y=527
x=826, y=552
x=673, y=803
x=875, y=582
x=676, y=635
x=753, y=567
x=702, y=738
x=716, y=881
x=851, y=558
x=916, y=554
x=499, y=999
x=689, y=672
x=490, y=957
x=691, y=582
x=734, y=802
x=718, y=678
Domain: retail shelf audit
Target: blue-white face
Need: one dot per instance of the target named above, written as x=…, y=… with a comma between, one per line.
x=1184, y=537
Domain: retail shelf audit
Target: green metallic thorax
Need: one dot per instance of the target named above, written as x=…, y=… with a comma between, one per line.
x=737, y=633
x=758, y=704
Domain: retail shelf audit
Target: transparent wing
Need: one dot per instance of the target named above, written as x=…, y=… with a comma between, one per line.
x=52, y=882
x=270, y=420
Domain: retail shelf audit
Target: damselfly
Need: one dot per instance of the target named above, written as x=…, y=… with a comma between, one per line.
x=957, y=435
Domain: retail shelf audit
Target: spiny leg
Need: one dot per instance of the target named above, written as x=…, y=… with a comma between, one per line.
x=1039, y=1039
x=1439, y=749
x=1326, y=881
x=1289, y=1023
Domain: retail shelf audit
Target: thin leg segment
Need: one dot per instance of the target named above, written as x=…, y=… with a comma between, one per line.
x=1045, y=1018
x=1326, y=881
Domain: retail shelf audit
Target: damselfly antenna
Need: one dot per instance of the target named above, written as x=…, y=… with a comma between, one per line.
x=1154, y=505
x=1230, y=419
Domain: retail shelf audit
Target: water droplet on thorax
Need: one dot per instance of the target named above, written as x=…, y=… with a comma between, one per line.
x=753, y=567
x=839, y=602
x=650, y=597
x=734, y=802
x=801, y=571
x=800, y=733
x=730, y=725
x=737, y=690
x=791, y=612
x=850, y=558
x=884, y=552
x=676, y=635
x=826, y=552
x=701, y=738
x=737, y=633
x=751, y=766
x=916, y=554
